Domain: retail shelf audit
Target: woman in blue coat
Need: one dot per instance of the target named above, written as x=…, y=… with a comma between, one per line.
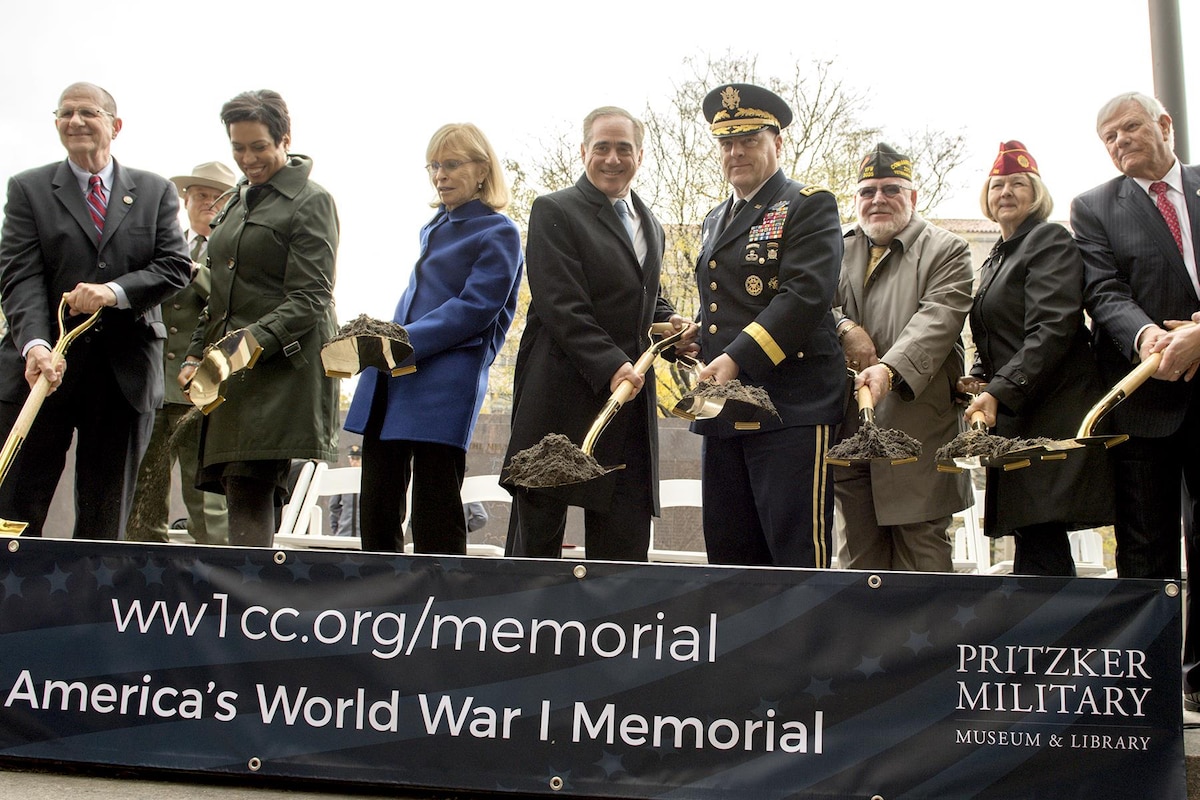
x=457, y=309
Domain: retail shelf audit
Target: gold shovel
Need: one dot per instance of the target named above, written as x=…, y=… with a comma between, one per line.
x=743, y=414
x=33, y=404
x=525, y=466
x=235, y=351
x=872, y=443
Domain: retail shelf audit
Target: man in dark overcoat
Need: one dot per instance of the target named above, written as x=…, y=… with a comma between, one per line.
x=593, y=256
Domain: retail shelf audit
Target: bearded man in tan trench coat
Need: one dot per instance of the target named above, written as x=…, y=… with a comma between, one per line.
x=904, y=293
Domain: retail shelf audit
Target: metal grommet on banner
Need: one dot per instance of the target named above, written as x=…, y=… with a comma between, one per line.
x=14, y=545
x=280, y=557
x=254, y=764
x=1172, y=590
x=876, y=797
x=580, y=571
x=875, y=581
x=556, y=783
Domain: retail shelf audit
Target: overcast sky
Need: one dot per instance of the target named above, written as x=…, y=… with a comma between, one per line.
x=369, y=82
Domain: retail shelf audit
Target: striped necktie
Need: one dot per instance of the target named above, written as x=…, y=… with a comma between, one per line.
x=97, y=204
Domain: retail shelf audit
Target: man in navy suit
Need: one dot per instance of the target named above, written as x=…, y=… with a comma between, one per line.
x=766, y=275
x=102, y=236
x=1139, y=235
x=593, y=283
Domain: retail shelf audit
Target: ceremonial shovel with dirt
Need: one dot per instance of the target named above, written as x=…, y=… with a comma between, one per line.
x=555, y=461
x=745, y=407
x=33, y=404
x=872, y=443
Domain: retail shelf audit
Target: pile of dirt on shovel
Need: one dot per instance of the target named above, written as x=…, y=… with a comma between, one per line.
x=871, y=441
x=362, y=325
x=733, y=390
x=983, y=444
x=554, y=461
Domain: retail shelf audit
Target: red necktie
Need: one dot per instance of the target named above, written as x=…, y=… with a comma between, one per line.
x=98, y=205
x=1168, y=211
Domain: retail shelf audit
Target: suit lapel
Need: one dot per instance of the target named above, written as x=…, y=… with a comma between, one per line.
x=120, y=201
x=66, y=189
x=1151, y=221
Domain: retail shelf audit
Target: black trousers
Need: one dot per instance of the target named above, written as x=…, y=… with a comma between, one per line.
x=768, y=498
x=112, y=437
x=436, y=472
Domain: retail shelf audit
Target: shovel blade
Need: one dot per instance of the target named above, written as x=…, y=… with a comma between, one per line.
x=347, y=357
x=11, y=527
x=237, y=351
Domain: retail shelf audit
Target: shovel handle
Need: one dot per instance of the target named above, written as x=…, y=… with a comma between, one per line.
x=866, y=404
x=1125, y=387
x=978, y=421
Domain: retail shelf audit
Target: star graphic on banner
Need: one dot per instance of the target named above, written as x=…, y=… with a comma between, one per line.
x=918, y=641
x=869, y=666
x=103, y=574
x=764, y=706
x=350, y=568
x=610, y=763
x=1009, y=587
x=301, y=570
x=58, y=580
x=817, y=689
x=12, y=585
x=202, y=571
x=251, y=572
x=965, y=614
x=153, y=573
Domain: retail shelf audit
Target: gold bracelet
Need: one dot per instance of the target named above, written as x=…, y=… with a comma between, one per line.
x=842, y=333
x=891, y=376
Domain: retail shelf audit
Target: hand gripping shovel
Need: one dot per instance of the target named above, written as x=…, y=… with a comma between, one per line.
x=33, y=404
x=235, y=351
x=872, y=443
x=708, y=400
x=555, y=461
x=977, y=448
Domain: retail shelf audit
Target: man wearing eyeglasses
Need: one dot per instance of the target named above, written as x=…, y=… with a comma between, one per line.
x=904, y=294
x=102, y=236
x=766, y=273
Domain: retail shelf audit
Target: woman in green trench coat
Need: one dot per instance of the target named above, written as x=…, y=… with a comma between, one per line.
x=272, y=256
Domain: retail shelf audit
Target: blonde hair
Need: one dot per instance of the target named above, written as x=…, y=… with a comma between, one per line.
x=463, y=138
x=1042, y=204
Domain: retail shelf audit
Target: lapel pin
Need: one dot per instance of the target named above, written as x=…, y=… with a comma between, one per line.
x=127, y=200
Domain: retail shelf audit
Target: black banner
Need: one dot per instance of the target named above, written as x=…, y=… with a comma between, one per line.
x=590, y=679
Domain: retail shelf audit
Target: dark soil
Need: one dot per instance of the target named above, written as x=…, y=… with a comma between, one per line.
x=154, y=482
x=871, y=441
x=554, y=461
x=369, y=326
x=983, y=444
x=734, y=390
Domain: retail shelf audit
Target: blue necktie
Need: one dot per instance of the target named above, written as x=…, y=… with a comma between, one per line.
x=623, y=212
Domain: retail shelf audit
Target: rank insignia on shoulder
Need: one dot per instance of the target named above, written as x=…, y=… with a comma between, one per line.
x=809, y=191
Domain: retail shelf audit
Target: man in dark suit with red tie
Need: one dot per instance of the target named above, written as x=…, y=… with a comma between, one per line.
x=1139, y=235
x=103, y=236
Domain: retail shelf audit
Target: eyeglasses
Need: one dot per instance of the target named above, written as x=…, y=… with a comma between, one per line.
x=86, y=114
x=448, y=166
x=890, y=190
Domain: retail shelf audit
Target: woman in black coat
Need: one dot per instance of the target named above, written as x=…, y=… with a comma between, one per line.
x=1034, y=374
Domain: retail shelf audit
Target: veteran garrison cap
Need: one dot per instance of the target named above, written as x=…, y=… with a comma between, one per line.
x=740, y=108
x=1012, y=159
x=885, y=162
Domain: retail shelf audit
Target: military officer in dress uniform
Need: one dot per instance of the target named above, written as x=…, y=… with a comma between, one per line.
x=766, y=275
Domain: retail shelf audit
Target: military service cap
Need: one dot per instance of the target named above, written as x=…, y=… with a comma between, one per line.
x=740, y=108
x=885, y=162
x=1012, y=159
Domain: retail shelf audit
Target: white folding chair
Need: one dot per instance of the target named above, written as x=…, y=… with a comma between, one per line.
x=678, y=493
x=1087, y=548
x=484, y=489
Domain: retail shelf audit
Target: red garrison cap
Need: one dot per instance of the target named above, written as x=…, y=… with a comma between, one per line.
x=1014, y=158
